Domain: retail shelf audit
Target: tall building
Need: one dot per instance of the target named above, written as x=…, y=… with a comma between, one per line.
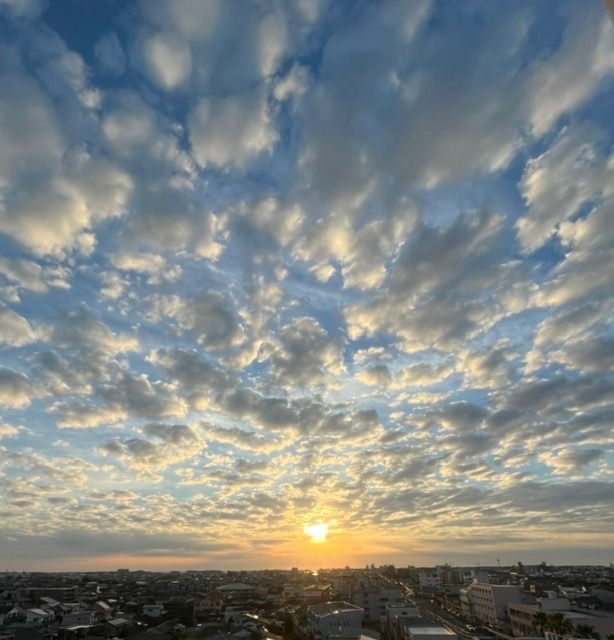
x=489, y=602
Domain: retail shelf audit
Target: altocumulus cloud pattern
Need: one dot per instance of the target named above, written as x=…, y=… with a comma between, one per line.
x=271, y=266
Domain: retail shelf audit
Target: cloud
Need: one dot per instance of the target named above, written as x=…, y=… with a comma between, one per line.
x=14, y=329
x=23, y=8
x=29, y=275
x=231, y=132
x=567, y=78
x=572, y=172
x=304, y=355
x=8, y=431
x=57, y=214
x=437, y=291
x=81, y=329
x=16, y=389
x=570, y=461
x=170, y=444
x=110, y=54
x=154, y=266
x=168, y=59
x=200, y=379
x=208, y=317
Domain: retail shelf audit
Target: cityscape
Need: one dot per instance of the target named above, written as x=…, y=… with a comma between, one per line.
x=370, y=603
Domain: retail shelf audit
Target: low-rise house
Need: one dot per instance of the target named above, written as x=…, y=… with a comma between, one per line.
x=116, y=626
x=78, y=618
x=316, y=592
x=38, y=617
x=207, y=605
x=153, y=610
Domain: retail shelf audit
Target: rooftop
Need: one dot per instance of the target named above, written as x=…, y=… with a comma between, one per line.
x=330, y=608
x=435, y=630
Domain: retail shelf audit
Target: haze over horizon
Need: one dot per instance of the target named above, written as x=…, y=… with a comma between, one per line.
x=306, y=283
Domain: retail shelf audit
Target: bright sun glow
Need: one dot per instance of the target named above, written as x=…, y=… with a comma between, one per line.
x=317, y=532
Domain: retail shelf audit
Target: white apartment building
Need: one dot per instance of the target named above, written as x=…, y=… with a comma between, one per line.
x=429, y=580
x=373, y=601
x=334, y=619
x=489, y=602
x=398, y=610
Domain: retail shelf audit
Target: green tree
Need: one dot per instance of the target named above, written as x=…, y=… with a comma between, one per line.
x=559, y=624
x=586, y=631
x=540, y=621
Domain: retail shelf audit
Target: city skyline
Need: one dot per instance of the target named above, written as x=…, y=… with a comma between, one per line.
x=306, y=283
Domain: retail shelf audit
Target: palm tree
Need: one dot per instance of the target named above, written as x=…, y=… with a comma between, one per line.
x=559, y=624
x=586, y=631
x=540, y=620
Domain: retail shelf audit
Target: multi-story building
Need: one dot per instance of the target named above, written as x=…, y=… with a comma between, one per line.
x=398, y=611
x=429, y=580
x=521, y=615
x=373, y=601
x=449, y=577
x=333, y=619
x=489, y=602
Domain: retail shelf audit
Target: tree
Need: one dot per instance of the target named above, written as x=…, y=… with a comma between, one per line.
x=559, y=624
x=586, y=631
x=540, y=621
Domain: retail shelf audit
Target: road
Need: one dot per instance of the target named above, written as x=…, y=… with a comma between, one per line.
x=434, y=612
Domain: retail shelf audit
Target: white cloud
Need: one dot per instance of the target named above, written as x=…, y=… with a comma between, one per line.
x=8, y=431
x=572, y=172
x=293, y=84
x=272, y=41
x=233, y=131
x=16, y=389
x=14, y=329
x=168, y=58
x=566, y=79
x=58, y=215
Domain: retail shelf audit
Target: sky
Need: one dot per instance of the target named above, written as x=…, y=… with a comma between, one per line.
x=270, y=267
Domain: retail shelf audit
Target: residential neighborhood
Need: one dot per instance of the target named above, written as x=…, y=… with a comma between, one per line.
x=371, y=603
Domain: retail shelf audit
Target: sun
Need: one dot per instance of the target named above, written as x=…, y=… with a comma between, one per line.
x=317, y=532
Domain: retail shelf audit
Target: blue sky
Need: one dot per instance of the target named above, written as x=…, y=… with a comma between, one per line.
x=265, y=265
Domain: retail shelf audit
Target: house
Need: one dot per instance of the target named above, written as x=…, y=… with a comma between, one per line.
x=208, y=605
x=334, y=618
x=78, y=618
x=316, y=592
x=115, y=626
x=39, y=617
x=153, y=610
